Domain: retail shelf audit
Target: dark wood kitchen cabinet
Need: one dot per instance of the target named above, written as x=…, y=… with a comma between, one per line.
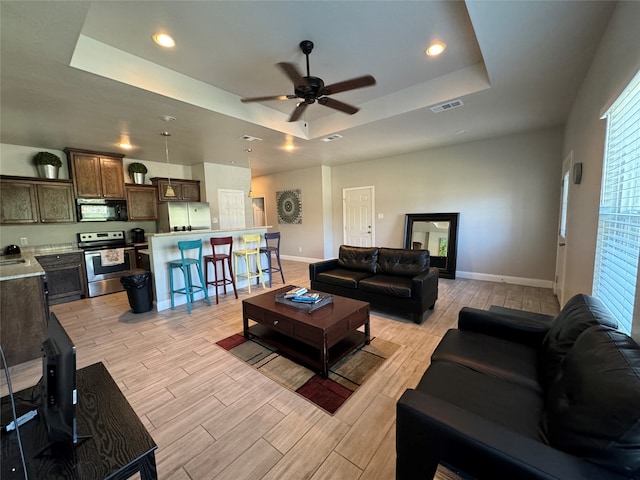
x=28, y=201
x=24, y=318
x=96, y=174
x=186, y=190
x=66, y=276
x=142, y=202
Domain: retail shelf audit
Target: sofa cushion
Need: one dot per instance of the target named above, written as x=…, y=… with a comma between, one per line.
x=510, y=361
x=504, y=403
x=593, y=407
x=342, y=277
x=360, y=259
x=401, y=262
x=579, y=313
x=387, y=285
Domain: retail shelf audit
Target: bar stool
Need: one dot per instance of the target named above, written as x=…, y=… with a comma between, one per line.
x=225, y=258
x=247, y=252
x=272, y=241
x=185, y=264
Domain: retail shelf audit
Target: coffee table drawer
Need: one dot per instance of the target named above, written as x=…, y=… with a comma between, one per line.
x=279, y=323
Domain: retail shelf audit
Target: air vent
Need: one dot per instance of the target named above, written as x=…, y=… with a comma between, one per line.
x=447, y=106
x=331, y=138
x=249, y=138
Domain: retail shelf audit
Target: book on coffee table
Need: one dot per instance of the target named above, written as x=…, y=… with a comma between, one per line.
x=295, y=292
x=313, y=303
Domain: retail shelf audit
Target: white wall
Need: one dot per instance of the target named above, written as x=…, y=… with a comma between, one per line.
x=306, y=240
x=506, y=190
x=615, y=63
x=214, y=177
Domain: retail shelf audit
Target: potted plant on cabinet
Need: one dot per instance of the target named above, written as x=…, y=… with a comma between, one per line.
x=137, y=172
x=48, y=164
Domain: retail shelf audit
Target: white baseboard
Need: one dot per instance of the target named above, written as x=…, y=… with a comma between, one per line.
x=300, y=259
x=528, y=282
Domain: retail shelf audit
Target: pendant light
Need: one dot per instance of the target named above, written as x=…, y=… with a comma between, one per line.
x=249, y=150
x=169, y=192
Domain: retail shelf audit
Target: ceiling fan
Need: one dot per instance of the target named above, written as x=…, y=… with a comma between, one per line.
x=311, y=89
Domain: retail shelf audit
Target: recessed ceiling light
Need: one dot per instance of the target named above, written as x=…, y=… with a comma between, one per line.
x=164, y=40
x=167, y=118
x=435, y=49
x=249, y=138
x=126, y=146
x=331, y=138
x=289, y=147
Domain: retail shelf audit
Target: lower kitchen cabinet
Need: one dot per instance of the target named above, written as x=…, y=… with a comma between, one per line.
x=24, y=318
x=66, y=276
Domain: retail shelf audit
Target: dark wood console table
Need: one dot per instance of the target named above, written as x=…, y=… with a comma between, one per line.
x=118, y=447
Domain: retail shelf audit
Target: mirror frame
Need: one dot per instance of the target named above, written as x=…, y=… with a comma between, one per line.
x=452, y=245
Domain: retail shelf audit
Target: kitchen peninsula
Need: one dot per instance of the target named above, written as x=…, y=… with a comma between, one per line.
x=163, y=247
x=24, y=308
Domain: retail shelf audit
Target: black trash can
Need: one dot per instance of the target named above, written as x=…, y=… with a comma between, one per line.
x=138, y=287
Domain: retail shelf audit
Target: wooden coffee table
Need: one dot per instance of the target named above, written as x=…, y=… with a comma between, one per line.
x=318, y=339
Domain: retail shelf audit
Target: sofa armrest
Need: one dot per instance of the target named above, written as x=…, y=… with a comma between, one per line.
x=528, y=331
x=430, y=431
x=424, y=282
x=323, y=266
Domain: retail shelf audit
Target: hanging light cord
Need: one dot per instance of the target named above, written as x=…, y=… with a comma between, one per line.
x=166, y=151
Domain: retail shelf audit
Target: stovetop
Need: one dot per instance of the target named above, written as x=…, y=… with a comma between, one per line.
x=93, y=240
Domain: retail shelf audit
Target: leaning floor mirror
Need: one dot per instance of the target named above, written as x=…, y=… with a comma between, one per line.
x=436, y=232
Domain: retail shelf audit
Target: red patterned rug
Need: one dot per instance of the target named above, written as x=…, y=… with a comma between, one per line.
x=330, y=393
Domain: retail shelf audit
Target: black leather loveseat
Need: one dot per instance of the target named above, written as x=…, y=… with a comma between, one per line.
x=392, y=278
x=512, y=397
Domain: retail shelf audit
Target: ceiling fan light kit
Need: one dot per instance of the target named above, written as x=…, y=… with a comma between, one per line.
x=312, y=89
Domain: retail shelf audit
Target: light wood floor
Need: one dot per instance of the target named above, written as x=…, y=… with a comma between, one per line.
x=212, y=416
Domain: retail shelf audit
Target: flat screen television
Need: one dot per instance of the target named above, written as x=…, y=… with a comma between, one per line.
x=59, y=396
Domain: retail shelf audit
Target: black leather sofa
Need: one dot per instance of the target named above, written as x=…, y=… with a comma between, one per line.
x=513, y=397
x=393, y=278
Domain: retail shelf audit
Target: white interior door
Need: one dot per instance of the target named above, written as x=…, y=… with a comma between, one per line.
x=259, y=214
x=231, y=204
x=358, y=216
x=565, y=190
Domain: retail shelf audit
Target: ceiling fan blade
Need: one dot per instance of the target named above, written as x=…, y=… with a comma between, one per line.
x=297, y=113
x=338, y=105
x=359, y=82
x=291, y=71
x=264, y=99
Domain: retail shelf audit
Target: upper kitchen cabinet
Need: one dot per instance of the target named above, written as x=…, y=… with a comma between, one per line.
x=96, y=174
x=142, y=202
x=185, y=190
x=28, y=201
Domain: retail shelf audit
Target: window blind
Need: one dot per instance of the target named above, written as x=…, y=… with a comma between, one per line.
x=618, y=240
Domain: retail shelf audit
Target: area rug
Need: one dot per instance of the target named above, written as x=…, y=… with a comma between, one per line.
x=327, y=393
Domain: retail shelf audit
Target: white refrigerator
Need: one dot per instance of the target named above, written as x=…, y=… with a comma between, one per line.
x=183, y=216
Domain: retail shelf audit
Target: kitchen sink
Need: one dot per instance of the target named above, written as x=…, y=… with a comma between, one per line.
x=14, y=261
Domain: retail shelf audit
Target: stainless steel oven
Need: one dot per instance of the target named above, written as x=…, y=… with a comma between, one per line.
x=105, y=278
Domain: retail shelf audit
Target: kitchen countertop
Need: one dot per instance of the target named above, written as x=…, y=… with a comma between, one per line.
x=191, y=232
x=30, y=267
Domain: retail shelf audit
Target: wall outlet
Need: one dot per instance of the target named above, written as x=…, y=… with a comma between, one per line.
x=23, y=241
x=300, y=249
x=214, y=220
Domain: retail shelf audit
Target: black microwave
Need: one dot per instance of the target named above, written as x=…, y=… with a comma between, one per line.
x=101, y=210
